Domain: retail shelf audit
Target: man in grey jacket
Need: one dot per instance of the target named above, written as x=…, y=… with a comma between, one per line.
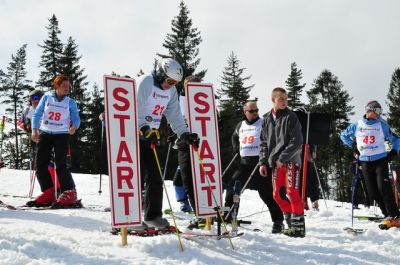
x=280, y=154
x=157, y=96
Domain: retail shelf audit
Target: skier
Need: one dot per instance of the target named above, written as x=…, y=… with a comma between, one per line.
x=367, y=136
x=55, y=118
x=246, y=142
x=280, y=153
x=157, y=96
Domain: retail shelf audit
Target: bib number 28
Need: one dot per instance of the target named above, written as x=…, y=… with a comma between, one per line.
x=56, y=116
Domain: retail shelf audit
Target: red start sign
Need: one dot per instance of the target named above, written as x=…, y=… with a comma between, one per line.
x=202, y=119
x=123, y=150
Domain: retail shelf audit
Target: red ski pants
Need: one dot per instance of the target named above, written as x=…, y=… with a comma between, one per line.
x=286, y=185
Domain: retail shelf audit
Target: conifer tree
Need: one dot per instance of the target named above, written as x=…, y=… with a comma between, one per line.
x=182, y=44
x=393, y=101
x=69, y=66
x=52, y=50
x=294, y=88
x=14, y=88
x=233, y=94
x=328, y=96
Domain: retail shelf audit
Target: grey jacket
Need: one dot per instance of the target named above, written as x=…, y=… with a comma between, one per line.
x=281, y=139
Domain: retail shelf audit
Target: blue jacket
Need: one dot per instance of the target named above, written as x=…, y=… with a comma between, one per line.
x=349, y=134
x=37, y=116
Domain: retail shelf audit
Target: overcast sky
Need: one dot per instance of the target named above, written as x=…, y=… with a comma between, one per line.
x=357, y=40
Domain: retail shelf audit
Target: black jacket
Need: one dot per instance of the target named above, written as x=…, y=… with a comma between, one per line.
x=281, y=139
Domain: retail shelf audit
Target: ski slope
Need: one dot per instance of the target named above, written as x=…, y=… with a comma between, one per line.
x=81, y=236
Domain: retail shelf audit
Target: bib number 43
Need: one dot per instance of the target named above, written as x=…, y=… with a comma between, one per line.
x=369, y=140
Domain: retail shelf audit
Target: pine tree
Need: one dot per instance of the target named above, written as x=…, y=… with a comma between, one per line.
x=95, y=161
x=14, y=89
x=393, y=101
x=294, y=88
x=52, y=50
x=328, y=96
x=182, y=44
x=232, y=96
x=69, y=66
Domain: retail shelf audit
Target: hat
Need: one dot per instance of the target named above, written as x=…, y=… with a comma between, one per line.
x=374, y=106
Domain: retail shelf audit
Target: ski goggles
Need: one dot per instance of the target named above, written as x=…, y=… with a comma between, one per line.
x=35, y=97
x=253, y=110
x=377, y=110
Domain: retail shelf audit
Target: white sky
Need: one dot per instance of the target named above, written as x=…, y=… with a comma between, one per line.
x=357, y=40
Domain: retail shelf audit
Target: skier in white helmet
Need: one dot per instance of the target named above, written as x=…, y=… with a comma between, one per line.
x=157, y=96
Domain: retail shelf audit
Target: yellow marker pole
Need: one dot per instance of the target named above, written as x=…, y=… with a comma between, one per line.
x=208, y=223
x=169, y=202
x=212, y=193
x=124, y=236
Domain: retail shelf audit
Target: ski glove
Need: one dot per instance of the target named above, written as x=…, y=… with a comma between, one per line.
x=391, y=155
x=171, y=138
x=152, y=135
x=190, y=138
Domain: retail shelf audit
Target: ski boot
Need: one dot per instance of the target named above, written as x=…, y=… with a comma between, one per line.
x=277, y=227
x=158, y=222
x=197, y=223
x=47, y=198
x=390, y=222
x=182, y=198
x=298, y=228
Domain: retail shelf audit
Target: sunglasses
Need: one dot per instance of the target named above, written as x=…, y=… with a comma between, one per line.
x=171, y=82
x=35, y=97
x=253, y=110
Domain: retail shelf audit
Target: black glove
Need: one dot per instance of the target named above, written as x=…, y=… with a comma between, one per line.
x=152, y=135
x=391, y=155
x=171, y=138
x=190, y=138
x=236, y=149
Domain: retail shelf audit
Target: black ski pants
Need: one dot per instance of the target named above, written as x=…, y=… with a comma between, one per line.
x=379, y=186
x=312, y=188
x=186, y=171
x=60, y=143
x=151, y=182
x=262, y=184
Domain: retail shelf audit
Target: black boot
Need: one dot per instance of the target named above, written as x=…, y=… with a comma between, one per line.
x=288, y=219
x=277, y=227
x=298, y=227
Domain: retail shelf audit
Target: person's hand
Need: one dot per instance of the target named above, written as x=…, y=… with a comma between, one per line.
x=72, y=130
x=263, y=170
x=391, y=155
x=101, y=116
x=278, y=163
x=171, y=138
x=314, y=155
x=190, y=138
x=35, y=135
x=152, y=135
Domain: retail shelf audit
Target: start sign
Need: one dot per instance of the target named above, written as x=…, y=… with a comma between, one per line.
x=202, y=119
x=123, y=150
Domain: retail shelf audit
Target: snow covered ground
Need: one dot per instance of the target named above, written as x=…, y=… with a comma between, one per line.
x=81, y=236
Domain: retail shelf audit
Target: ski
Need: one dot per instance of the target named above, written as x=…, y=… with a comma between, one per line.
x=55, y=206
x=216, y=236
x=369, y=218
x=355, y=231
x=8, y=206
x=148, y=232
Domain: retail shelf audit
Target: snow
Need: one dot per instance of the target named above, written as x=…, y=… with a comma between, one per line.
x=81, y=236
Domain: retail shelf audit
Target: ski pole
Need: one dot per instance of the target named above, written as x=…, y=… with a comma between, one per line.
x=153, y=146
x=33, y=170
x=319, y=181
x=243, y=188
x=229, y=165
x=166, y=161
x=101, y=153
x=196, y=149
x=353, y=188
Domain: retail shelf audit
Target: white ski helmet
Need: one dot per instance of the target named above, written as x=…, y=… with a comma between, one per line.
x=169, y=68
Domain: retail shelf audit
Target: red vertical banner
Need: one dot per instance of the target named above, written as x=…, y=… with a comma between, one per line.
x=202, y=119
x=123, y=150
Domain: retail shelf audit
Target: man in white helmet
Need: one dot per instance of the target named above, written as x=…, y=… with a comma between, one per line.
x=368, y=137
x=157, y=96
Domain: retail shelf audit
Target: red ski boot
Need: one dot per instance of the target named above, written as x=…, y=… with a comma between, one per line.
x=44, y=199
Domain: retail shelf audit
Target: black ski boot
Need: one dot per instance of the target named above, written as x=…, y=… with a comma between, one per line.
x=277, y=227
x=288, y=219
x=298, y=227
